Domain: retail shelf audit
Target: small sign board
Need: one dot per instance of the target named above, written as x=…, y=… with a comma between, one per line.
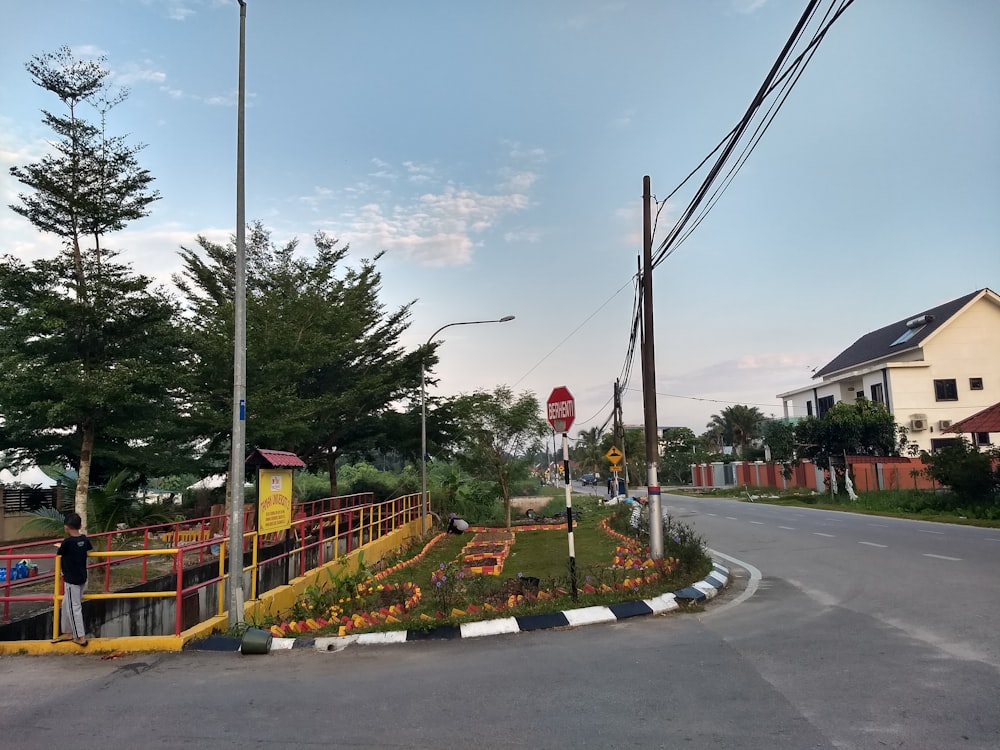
x=614, y=455
x=274, y=510
x=560, y=409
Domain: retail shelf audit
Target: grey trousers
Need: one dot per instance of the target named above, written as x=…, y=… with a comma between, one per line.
x=72, y=610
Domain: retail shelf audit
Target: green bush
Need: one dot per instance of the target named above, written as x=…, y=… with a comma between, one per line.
x=970, y=473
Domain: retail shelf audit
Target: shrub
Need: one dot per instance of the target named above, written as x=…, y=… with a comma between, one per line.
x=972, y=475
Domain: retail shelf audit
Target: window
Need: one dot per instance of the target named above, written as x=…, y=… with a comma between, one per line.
x=877, y=394
x=981, y=438
x=809, y=408
x=906, y=335
x=945, y=390
x=824, y=405
x=975, y=384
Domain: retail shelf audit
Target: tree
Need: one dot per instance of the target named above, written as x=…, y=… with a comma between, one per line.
x=499, y=433
x=90, y=385
x=972, y=475
x=863, y=428
x=588, y=451
x=737, y=424
x=681, y=448
x=85, y=309
x=779, y=436
x=324, y=362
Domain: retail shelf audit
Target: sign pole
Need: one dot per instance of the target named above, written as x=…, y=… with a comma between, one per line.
x=561, y=411
x=569, y=517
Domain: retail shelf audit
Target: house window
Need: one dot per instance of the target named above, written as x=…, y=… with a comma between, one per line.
x=975, y=384
x=809, y=408
x=877, y=394
x=945, y=390
x=982, y=438
x=824, y=405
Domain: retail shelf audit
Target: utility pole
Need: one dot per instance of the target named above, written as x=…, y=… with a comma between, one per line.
x=237, y=456
x=649, y=380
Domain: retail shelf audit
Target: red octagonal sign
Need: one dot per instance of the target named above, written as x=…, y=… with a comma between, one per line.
x=561, y=409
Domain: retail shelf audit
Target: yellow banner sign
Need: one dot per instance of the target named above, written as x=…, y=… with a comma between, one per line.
x=274, y=505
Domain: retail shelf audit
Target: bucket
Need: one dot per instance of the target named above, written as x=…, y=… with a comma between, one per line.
x=255, y=641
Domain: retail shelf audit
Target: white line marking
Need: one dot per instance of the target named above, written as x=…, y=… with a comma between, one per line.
x=790, y=528
x=879, y=525
x=872, y=544
x=714, y=515
x=925, y=531
x=820, y=533
x=944, y=557
x=759, y=523
x=749, y=591
x=732, y=519
x=992, y=539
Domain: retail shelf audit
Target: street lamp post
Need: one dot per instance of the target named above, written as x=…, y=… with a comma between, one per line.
x=423, y=415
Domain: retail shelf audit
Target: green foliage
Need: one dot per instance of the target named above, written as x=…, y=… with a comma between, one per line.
x=324, y=359
x=972, y=475
x=864, y=428
x=681, y=448
x=499, y=432
x=779, y=436
x=735, y=425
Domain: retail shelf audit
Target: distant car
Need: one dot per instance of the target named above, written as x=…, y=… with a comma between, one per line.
x=589, y=479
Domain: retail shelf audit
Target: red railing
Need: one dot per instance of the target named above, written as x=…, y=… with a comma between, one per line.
x=349, y=521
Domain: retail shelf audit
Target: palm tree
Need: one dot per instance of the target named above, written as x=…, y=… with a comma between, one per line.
x=588, y=448
x=735, y=425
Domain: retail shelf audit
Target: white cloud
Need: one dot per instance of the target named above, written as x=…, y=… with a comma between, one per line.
x=748, y=6
x=132, y=73
x=523, y=236
x=518, y=182
x=437, y=229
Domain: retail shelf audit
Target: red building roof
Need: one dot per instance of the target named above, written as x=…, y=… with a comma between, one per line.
x=275, y=459
x=987, y=420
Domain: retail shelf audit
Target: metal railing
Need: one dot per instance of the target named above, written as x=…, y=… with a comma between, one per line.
x=320, y=532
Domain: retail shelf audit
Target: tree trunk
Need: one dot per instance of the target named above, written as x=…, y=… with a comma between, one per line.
x=83, y=478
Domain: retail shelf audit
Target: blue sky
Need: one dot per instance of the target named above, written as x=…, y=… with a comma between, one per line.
x=495, y=153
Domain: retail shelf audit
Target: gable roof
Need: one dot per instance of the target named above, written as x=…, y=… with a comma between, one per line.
x=879, y=344
x=987, y=420
x=274, y=459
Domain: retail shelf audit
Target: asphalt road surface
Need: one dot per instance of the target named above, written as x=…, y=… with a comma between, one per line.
x=860, y=633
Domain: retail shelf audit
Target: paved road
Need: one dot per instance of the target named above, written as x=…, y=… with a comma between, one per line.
x=828, y=653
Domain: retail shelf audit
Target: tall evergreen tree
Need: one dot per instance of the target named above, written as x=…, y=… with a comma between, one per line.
x=324, y=362
x=76, y=331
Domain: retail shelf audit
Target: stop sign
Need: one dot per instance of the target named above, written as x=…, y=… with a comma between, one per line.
x=561, y=409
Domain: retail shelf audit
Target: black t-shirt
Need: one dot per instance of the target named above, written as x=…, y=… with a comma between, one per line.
x=74, y=551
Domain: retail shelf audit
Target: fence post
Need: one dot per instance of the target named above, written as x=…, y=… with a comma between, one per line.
x=178, y=619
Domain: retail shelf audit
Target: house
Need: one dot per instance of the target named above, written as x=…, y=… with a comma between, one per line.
x=929, y=370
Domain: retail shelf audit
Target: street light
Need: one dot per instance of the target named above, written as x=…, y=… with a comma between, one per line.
x=423, y=415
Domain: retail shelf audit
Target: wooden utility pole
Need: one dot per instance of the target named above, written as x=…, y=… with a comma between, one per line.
x=649, y=380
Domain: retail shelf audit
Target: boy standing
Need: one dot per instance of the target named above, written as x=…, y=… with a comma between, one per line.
x=73, y=550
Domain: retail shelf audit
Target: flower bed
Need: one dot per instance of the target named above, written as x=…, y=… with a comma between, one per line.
x=462, y=589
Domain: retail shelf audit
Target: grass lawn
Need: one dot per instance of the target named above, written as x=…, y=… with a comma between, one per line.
x=536, y=569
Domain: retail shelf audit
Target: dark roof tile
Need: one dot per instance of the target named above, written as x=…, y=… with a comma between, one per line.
x=878, y=344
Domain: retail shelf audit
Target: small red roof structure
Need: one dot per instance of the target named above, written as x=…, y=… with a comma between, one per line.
x=987, y=420
x=275, y=459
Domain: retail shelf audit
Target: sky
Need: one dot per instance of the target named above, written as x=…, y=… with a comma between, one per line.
x=495, y=152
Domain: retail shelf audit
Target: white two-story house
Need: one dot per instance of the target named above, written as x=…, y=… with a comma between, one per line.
x=929, y=370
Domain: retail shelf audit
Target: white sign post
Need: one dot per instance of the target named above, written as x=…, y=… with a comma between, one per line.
x=561, y=411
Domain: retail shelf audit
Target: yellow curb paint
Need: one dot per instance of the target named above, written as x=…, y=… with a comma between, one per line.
x=136, y=644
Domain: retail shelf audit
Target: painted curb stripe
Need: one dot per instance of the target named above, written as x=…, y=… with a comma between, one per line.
x=372, y=639
x=443, y=633
x=624, y=610
x=489, y=627
x=662, y=603
x=589, y=615
x=543, y=621
x=691, y=593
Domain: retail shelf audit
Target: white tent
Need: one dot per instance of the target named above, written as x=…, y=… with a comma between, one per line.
x=6, y=477
x=33, y=477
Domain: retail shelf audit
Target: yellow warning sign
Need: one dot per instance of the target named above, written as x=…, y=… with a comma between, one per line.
x=614, y=455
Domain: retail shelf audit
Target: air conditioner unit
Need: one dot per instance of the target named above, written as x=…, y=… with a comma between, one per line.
x=918, y=422
x=944, y=424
